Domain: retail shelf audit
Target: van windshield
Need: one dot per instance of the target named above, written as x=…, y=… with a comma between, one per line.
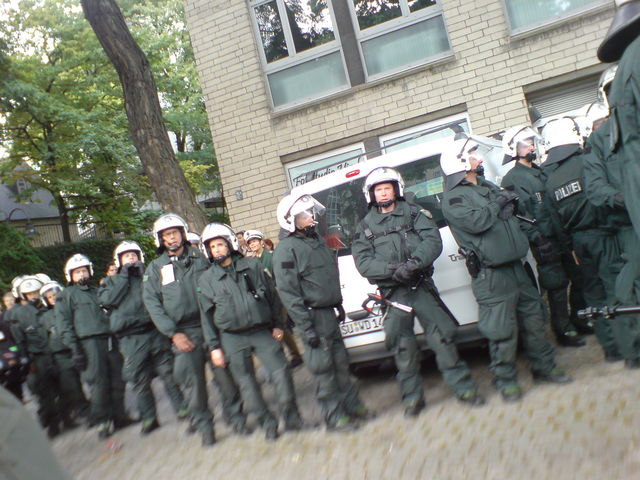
x=346, y=204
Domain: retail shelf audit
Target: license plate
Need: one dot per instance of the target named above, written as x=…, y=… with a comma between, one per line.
x=358, y=327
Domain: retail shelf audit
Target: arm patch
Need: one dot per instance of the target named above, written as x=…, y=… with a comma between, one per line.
x=287, y=265
x=454, y=200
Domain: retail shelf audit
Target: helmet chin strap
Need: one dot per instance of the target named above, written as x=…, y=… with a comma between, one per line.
x=478, y=171
x=83, y=281
x=530, y=157
x=218, y=260
x=35, y=302
x=386, y=204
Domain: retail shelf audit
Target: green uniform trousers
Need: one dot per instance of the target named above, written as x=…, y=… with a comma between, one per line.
x=72, y=394
x=43, y=383
x=336, y=392
x=627, y=291
x=188, y=370
x=239, y=349
x=145, y=356
x=554, y=281
x=104, y=377
x=599, y=258
x=509, y=302
x=439, y=331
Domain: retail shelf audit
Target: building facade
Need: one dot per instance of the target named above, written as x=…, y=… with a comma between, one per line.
x=297, y=88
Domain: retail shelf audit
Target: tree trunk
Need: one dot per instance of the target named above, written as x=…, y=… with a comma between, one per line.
x=146, y=124
x=64, y=217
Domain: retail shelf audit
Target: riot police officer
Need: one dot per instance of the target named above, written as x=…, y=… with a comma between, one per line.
x=395, y=247
x=308, y=282
x=169, y=294
x=242, y=315
x=592, y=236
x=72, y=395
x=84, y=328
x=146, y=352
x=481, y=219
x=526, y=179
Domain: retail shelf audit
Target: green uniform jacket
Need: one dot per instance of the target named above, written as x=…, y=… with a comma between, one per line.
x=123, y=296
x=528, y=184
x=228, y=305
x=27, y=330
x=48, y=321
x=407, y=235
x=566, y=193
x=472, y=214
x=603, y=175
x=625, y=125
x=307, y=275
x=169, y=291
x=79, y=315
x=267, y=260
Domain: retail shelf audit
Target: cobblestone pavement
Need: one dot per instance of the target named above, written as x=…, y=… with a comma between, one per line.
x=586, y=430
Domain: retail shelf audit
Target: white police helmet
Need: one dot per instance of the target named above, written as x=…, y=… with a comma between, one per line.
x=47, y=287
x=168, y=220
x=518, y=135
x=29, y=284
x=604, y=84
x=252, y=234
x=293, y=205
x=218, y=230
x=15, y=283
x=193, y=239
x=382, y=175
x=127, y=246
x=76, y=261
x=562, y=138
x=454, y=160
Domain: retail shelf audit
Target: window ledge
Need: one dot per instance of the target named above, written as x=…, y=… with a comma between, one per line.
x=526, y=32
x=448, y=58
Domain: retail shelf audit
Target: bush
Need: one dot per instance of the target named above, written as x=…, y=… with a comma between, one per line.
x=17, y=256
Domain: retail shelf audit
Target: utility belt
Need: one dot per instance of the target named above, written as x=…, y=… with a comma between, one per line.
x=338, y=306
x=249, y=330
x=474, y=265
x=180, y=328
x=97, y=335
x=64, y=351
x=136, y=330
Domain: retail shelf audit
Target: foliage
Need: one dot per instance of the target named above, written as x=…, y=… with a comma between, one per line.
x=63, y=121
x=17, y=256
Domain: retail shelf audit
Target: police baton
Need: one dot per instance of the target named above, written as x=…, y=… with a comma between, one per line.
x=608, y=312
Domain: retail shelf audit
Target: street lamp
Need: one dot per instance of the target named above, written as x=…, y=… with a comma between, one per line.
x=29, y=228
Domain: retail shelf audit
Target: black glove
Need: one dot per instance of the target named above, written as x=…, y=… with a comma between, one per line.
x=406, y=272
x=543, y=249
x=79, y=360
x=507, y=211
x=393, y=266
x=125, y=269
x=504, y=197
x=312, y=338
x=137, y=269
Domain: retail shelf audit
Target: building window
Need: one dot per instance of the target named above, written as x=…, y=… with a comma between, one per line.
x=425, y=133
x=526, y=15
x=397, y=35
x=305, y=170
x=300, y=50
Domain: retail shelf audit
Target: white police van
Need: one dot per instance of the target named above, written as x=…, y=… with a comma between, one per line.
x=341, y=193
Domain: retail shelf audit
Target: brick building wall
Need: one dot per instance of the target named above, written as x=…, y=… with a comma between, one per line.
x=486, y=78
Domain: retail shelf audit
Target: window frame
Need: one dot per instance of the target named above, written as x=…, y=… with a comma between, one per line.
x=423, y=126
x=531, y=29
x=407, y=19
x=294, y=58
